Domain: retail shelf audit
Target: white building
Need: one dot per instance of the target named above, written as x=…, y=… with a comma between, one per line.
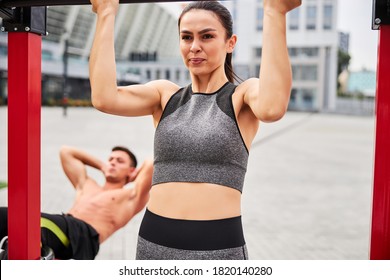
x=146, y=44
x=147, y=47
x=312, y=38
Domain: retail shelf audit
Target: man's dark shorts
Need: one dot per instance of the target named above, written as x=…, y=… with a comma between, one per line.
x=84, y=239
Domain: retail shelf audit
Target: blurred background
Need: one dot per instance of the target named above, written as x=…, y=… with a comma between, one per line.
x=331, y=45
x=308, y=188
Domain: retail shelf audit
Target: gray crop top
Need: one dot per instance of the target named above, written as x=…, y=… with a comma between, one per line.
x=198, y=140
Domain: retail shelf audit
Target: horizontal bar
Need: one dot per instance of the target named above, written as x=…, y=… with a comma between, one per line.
x=30, y=3
x=6, y=13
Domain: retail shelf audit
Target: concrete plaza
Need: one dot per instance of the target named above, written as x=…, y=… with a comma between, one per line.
x=307, y=194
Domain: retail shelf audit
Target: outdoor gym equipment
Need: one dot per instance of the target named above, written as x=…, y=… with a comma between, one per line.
x=25, y=22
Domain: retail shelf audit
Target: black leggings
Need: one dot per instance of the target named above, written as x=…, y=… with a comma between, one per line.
x=48, y=238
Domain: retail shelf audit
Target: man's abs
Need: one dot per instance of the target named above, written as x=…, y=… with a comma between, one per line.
x=105, y=213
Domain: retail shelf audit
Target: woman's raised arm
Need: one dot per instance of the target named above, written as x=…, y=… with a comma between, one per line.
x=268, y=97
x=135, y=100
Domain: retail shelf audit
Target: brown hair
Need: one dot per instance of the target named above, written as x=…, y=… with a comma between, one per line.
x=132, y=157
x=226, y=20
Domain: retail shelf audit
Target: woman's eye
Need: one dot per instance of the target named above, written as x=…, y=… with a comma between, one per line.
x=186, y=38
x=207, y=36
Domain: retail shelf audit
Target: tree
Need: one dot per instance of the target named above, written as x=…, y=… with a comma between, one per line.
x=343, y=59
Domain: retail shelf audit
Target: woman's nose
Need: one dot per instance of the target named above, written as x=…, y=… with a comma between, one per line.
x=195, y=47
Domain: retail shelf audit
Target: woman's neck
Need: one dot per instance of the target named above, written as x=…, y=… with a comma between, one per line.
x=208, y=85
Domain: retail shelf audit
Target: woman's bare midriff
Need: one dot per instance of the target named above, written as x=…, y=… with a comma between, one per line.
x=194, y=201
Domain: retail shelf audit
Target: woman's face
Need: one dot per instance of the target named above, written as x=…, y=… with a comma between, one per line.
x=203, y=42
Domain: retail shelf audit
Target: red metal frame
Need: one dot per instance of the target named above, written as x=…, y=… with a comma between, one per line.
x=24, y=127
x=380, y=227
x=24, y=145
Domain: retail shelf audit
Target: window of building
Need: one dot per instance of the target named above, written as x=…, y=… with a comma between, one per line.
x=309, y=73
x=309, y=52
x=294, y=19
x=257, y=70
x=158, y=74
x=258, y=52
x=302, y=99
x=303, y=52
x=47, y=55
x=142, y=56
x=259, y=18
x=305, y=72
x=296, y=72
x=53, y=85
x=328, y=17
x=3, y=50
x=311, y=17
x=293, y=96
x=148, y=74
x=293, y=52
x=308, y=99
x=167, y=74
x=178, y=75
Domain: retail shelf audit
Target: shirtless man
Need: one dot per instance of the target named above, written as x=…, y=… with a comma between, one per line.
x=98, y=211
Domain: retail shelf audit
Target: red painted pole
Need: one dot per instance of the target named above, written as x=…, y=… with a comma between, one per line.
x=380, y=227
x=24, y=144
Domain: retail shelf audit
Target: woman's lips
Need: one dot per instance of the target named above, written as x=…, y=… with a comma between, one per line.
x=196, y=61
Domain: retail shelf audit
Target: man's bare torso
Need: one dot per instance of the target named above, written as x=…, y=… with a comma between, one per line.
x=106, y=210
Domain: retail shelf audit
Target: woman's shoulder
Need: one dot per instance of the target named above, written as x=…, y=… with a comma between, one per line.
x=247, y=85
x=164, y=86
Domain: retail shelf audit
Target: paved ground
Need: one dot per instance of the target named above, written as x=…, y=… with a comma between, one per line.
x=307, y=193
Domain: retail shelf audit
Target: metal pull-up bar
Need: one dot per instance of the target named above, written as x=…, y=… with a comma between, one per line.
x=31, y=3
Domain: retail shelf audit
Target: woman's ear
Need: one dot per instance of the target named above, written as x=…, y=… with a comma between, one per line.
x=231, y=43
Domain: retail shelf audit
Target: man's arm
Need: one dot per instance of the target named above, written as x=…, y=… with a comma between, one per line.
x=143, y=183
x=74, y=163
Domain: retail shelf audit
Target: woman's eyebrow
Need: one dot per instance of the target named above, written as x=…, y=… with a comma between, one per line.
x=207, y=30
x=200, y=32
